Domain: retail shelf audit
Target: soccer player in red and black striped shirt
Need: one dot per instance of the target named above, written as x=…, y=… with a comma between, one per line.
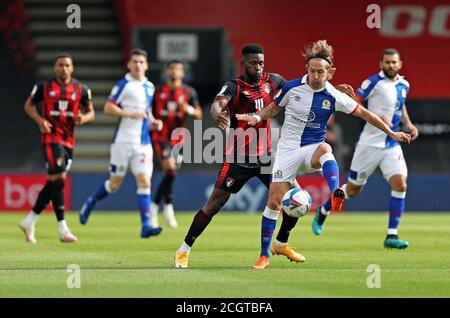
x=60, y=100
x=173, y=103
x=248, y=149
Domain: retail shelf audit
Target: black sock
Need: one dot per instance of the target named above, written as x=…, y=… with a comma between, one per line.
x=160, y=192
x=286, y=226
x=169, y=188
x=58, y=198
x=44, y=197
x=200, y=222
x=321, y=218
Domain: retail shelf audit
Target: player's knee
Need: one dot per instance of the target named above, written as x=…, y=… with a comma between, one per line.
x=324, y=148
x=114, y=185
x=274, y=201
x=398, y=183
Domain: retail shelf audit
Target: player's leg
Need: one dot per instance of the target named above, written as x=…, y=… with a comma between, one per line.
x=63, y=159
x=27, y=225
x=364, y=162
x=395, y=172
x=230, y=180
x=141, y=165
x=119, y=158
x=284, y=170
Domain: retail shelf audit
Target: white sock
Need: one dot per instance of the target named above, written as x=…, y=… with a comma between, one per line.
x=392, y=232
x=30, y=219
x=278, y=243
x=63, y=228
x=271, y=214
x=324, y=211
x=184, y=248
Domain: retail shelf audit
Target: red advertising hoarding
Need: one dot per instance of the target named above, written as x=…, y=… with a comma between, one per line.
x=18, y=192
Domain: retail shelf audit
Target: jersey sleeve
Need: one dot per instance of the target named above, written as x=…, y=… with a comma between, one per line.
x=282, y=97
x=229, y=90
x=193, y=97
x=345, y=103
x=117, y=91
x=278, y=80
x=37, y=93
x=86, y=96
x=366, y=88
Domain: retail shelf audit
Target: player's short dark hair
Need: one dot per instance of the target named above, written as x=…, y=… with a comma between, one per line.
x=252, y=48
x=390, y=51
x=63, y=56
x=174, y=61
x=138, y=52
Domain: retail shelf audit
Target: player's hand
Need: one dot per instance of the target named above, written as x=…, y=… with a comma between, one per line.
x=222, y=120
x=138, y=115
x=156, y=125
x=346, y=89
x=402, y=137
x=251, y=120
x=413, y=131
x=45, y=126
x=79, y=119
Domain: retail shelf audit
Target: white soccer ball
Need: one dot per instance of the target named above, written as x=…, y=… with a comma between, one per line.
x=296, y=202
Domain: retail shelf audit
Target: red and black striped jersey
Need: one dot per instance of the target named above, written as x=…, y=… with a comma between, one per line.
x=244, y=97
x=166, y=106
x=59, y=105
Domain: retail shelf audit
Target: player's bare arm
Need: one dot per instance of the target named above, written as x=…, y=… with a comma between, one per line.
x=376, y=121
x=155, y=124
x=194, y=112
x=44, y=125
x=112, y=109
x=219, y=113
x=412, y=129
x=86, y=117
x=270, y=110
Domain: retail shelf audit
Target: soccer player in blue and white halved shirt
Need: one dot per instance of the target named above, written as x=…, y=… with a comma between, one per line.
x=309, y=101
x=130, y=100
x=385, y=94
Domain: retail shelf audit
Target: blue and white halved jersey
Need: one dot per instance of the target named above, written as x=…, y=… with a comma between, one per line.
x=383, y=97
x=133, y=96
x=307, y=112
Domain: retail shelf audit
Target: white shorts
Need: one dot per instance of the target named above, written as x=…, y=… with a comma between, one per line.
x=367, y=158
x=289, y=162
x=139, y=157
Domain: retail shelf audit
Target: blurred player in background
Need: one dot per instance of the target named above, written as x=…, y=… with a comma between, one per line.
x=385, y=94
x=130, y=100
x=309, y=102
x=173, y=102
x=60, y=100
x=248, y=93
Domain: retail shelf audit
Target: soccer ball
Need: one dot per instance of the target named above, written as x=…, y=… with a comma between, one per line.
x=296, y=202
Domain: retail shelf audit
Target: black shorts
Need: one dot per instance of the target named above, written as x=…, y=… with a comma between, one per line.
x=164, y=151
x=232, y=177
x=57, y=157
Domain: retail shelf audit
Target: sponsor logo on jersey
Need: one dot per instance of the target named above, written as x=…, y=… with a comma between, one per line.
x=222, y=91
x=162, y=95
x=326, y=104
x=52, y=93
x=403, y=93
x=297, y=98
x=267, y=88
x=245, y=93
x=311, y=116
x=74, y=96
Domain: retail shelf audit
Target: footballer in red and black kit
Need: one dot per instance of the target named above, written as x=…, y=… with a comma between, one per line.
x=173, y=103
x=247, y=151
x=64, y=103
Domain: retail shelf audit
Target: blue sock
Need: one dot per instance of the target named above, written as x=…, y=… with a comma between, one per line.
x=101, y=192
x=267, y=228
x=144, y=204
x=396, y=208
x=330, y=171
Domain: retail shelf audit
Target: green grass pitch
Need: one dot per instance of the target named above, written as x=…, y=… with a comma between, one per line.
x=115, y=262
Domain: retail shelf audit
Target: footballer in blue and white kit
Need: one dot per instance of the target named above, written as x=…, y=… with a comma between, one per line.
x=130, y=100
x=309, y=102
x=385, y=95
